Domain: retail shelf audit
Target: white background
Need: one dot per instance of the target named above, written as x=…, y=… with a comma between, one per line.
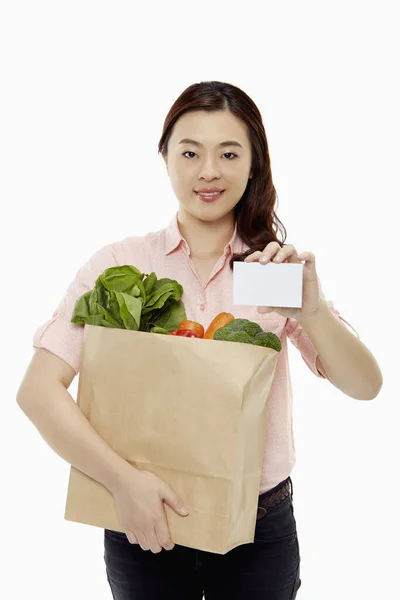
x=85, y=90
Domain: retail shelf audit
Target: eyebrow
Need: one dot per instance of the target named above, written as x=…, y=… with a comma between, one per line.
x=222, y=144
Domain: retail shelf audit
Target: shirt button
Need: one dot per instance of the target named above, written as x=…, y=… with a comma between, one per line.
x=202, y=307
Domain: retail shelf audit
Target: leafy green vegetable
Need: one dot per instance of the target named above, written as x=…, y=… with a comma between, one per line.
x=125, y=298
x=247, y=332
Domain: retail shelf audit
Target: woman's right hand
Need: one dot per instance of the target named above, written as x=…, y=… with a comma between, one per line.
x=141, y=512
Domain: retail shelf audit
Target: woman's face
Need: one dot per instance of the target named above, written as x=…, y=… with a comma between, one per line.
x=192, y=167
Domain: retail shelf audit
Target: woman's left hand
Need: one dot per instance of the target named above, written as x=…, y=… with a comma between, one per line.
x=311, y=302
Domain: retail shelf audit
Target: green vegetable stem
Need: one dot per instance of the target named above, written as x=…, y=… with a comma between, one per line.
x=160, y=330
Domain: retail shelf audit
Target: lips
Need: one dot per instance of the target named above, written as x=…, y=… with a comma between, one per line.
x=209, y=197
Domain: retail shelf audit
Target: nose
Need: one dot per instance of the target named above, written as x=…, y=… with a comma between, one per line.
x=208, y=170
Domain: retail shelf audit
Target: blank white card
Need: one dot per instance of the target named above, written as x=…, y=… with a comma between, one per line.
x=272, y=284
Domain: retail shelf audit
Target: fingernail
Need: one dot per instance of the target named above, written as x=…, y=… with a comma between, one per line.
x=184, y=511
x=264, y=259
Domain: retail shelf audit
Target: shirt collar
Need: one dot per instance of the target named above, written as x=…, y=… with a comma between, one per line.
x=173, y=238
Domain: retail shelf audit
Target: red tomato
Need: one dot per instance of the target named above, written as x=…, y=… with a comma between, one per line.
x=187, y=333
x=172, y=332
x=193, y=326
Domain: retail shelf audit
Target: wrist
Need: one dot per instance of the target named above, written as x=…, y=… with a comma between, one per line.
x=312, y=317
x=121, y=475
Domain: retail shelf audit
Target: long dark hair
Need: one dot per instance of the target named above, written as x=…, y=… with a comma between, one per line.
x=257, y=222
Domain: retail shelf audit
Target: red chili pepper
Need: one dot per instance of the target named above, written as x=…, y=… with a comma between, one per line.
x=187, y=333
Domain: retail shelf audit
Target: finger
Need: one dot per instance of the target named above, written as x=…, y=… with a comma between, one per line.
x=269, y=251
x=142, y=538
x=153, y=541
x=285, y=253
x=163, y=533
x=131, y=537
x=266, y=257
x=307, y=256
x=167, y=495
x=282, y=257
x=253, y=257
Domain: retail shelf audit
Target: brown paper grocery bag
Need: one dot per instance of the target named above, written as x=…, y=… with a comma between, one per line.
x=191, y=411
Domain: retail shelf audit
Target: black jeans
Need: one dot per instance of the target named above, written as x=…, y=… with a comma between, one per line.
x=268, y=569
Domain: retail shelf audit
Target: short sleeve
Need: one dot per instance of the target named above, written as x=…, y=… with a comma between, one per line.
x=302, y=342
x=58, y=334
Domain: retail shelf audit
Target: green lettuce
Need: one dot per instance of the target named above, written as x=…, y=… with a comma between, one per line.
x=125, y=298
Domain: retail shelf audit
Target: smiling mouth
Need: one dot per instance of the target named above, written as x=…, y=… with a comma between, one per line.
x=210, y=194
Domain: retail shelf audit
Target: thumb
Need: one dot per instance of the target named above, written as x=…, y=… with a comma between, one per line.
x=173, y=501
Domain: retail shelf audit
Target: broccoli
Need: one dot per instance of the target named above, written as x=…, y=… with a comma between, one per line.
x=233, y=336
x=249, y=327
x=252, y=328
x=235, y=325
x=247, y=332
x=268, y=340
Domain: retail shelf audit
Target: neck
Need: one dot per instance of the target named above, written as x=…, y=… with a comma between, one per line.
x=206, y=239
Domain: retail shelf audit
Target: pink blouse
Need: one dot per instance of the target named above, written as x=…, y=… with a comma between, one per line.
x=167, y=253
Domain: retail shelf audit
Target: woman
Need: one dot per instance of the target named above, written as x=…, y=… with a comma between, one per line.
x=213, y=141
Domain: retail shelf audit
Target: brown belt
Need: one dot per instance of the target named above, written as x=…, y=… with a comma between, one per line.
x=273, y=497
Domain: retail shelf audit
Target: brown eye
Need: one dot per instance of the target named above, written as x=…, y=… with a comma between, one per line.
x=190, y=152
